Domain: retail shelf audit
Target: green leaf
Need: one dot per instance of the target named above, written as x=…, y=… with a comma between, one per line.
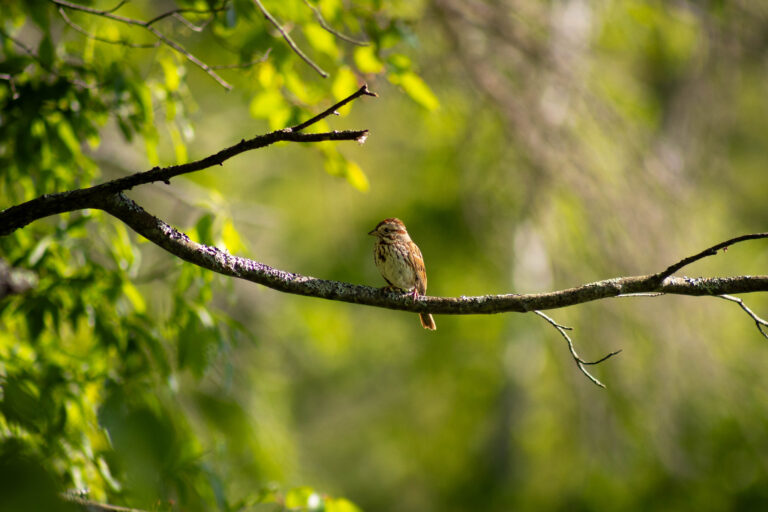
x=179, y=147
x=340, y=505
x=417, y=89
x=172, y=73
x=321, y=40
x=46, y=52
x=134, y=296
x=367, y=61
x=231, y=238
x=344, y=83
x=151, y=140
x=39, y=250
x=299, y=497
x=355, y=176
x=204, y=229
x=399, y=62
x=266, y=103
x=67, y=136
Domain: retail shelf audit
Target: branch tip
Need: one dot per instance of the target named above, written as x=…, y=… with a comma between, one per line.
x=333, y=109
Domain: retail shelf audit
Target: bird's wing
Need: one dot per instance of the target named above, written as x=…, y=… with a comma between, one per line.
x=418, y=265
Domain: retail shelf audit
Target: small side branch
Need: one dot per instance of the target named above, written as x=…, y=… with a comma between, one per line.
x=578, y=360
x=289, y=40
x=711, y=251
x=761, y=324
x=362, y=91
x=330, y=29
x=176, y=13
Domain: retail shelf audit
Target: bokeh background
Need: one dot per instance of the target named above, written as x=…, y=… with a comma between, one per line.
x=550, y=144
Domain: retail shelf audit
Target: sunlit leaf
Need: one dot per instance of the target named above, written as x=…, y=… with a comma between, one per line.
x=179, y=147
x=417, y=89
x=299, y=497
x=171, y=73
x=322, y=40
x=67, y=136
x=344, y=83
x=340, y=505
x=231, y=238
x=133, y=294
x=266, y=103
x=356, y=177
x=204, y=229
x=46, y=52
x=367, y=61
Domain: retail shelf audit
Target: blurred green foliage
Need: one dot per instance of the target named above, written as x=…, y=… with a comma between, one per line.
x=527, y=145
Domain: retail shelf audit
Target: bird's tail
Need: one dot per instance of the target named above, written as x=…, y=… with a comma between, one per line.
x=427, y=321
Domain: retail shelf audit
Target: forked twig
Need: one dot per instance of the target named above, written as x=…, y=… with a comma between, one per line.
x=579, y=361
x=90, y=35
x=147, y=26
x=759, y=322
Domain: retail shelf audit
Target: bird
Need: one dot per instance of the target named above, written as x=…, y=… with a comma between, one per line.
x=400, y=262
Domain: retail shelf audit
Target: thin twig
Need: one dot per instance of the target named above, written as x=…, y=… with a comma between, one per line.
x=191, y=26
x=29, y=51
x=579, y=361
x=119, y=5
x=159, y=35
x=176, y=12
x=759, y=322
x=362, y=91
x=330, y=29
x=90, y=35
x=707, y=252
x=288, y=39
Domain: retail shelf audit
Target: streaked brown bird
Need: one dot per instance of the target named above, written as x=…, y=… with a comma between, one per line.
x=400, y=262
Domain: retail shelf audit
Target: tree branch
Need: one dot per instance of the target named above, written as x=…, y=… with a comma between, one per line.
x=216, y=260
x=289, y=40
x=708, y=252
x=89, y=35
x=109, y=197
x=147, y=25
x=20, y=215
x=578, y=360
x=330, y=29
x=362, y=91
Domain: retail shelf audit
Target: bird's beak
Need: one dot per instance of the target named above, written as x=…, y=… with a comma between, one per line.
x=372, y=232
